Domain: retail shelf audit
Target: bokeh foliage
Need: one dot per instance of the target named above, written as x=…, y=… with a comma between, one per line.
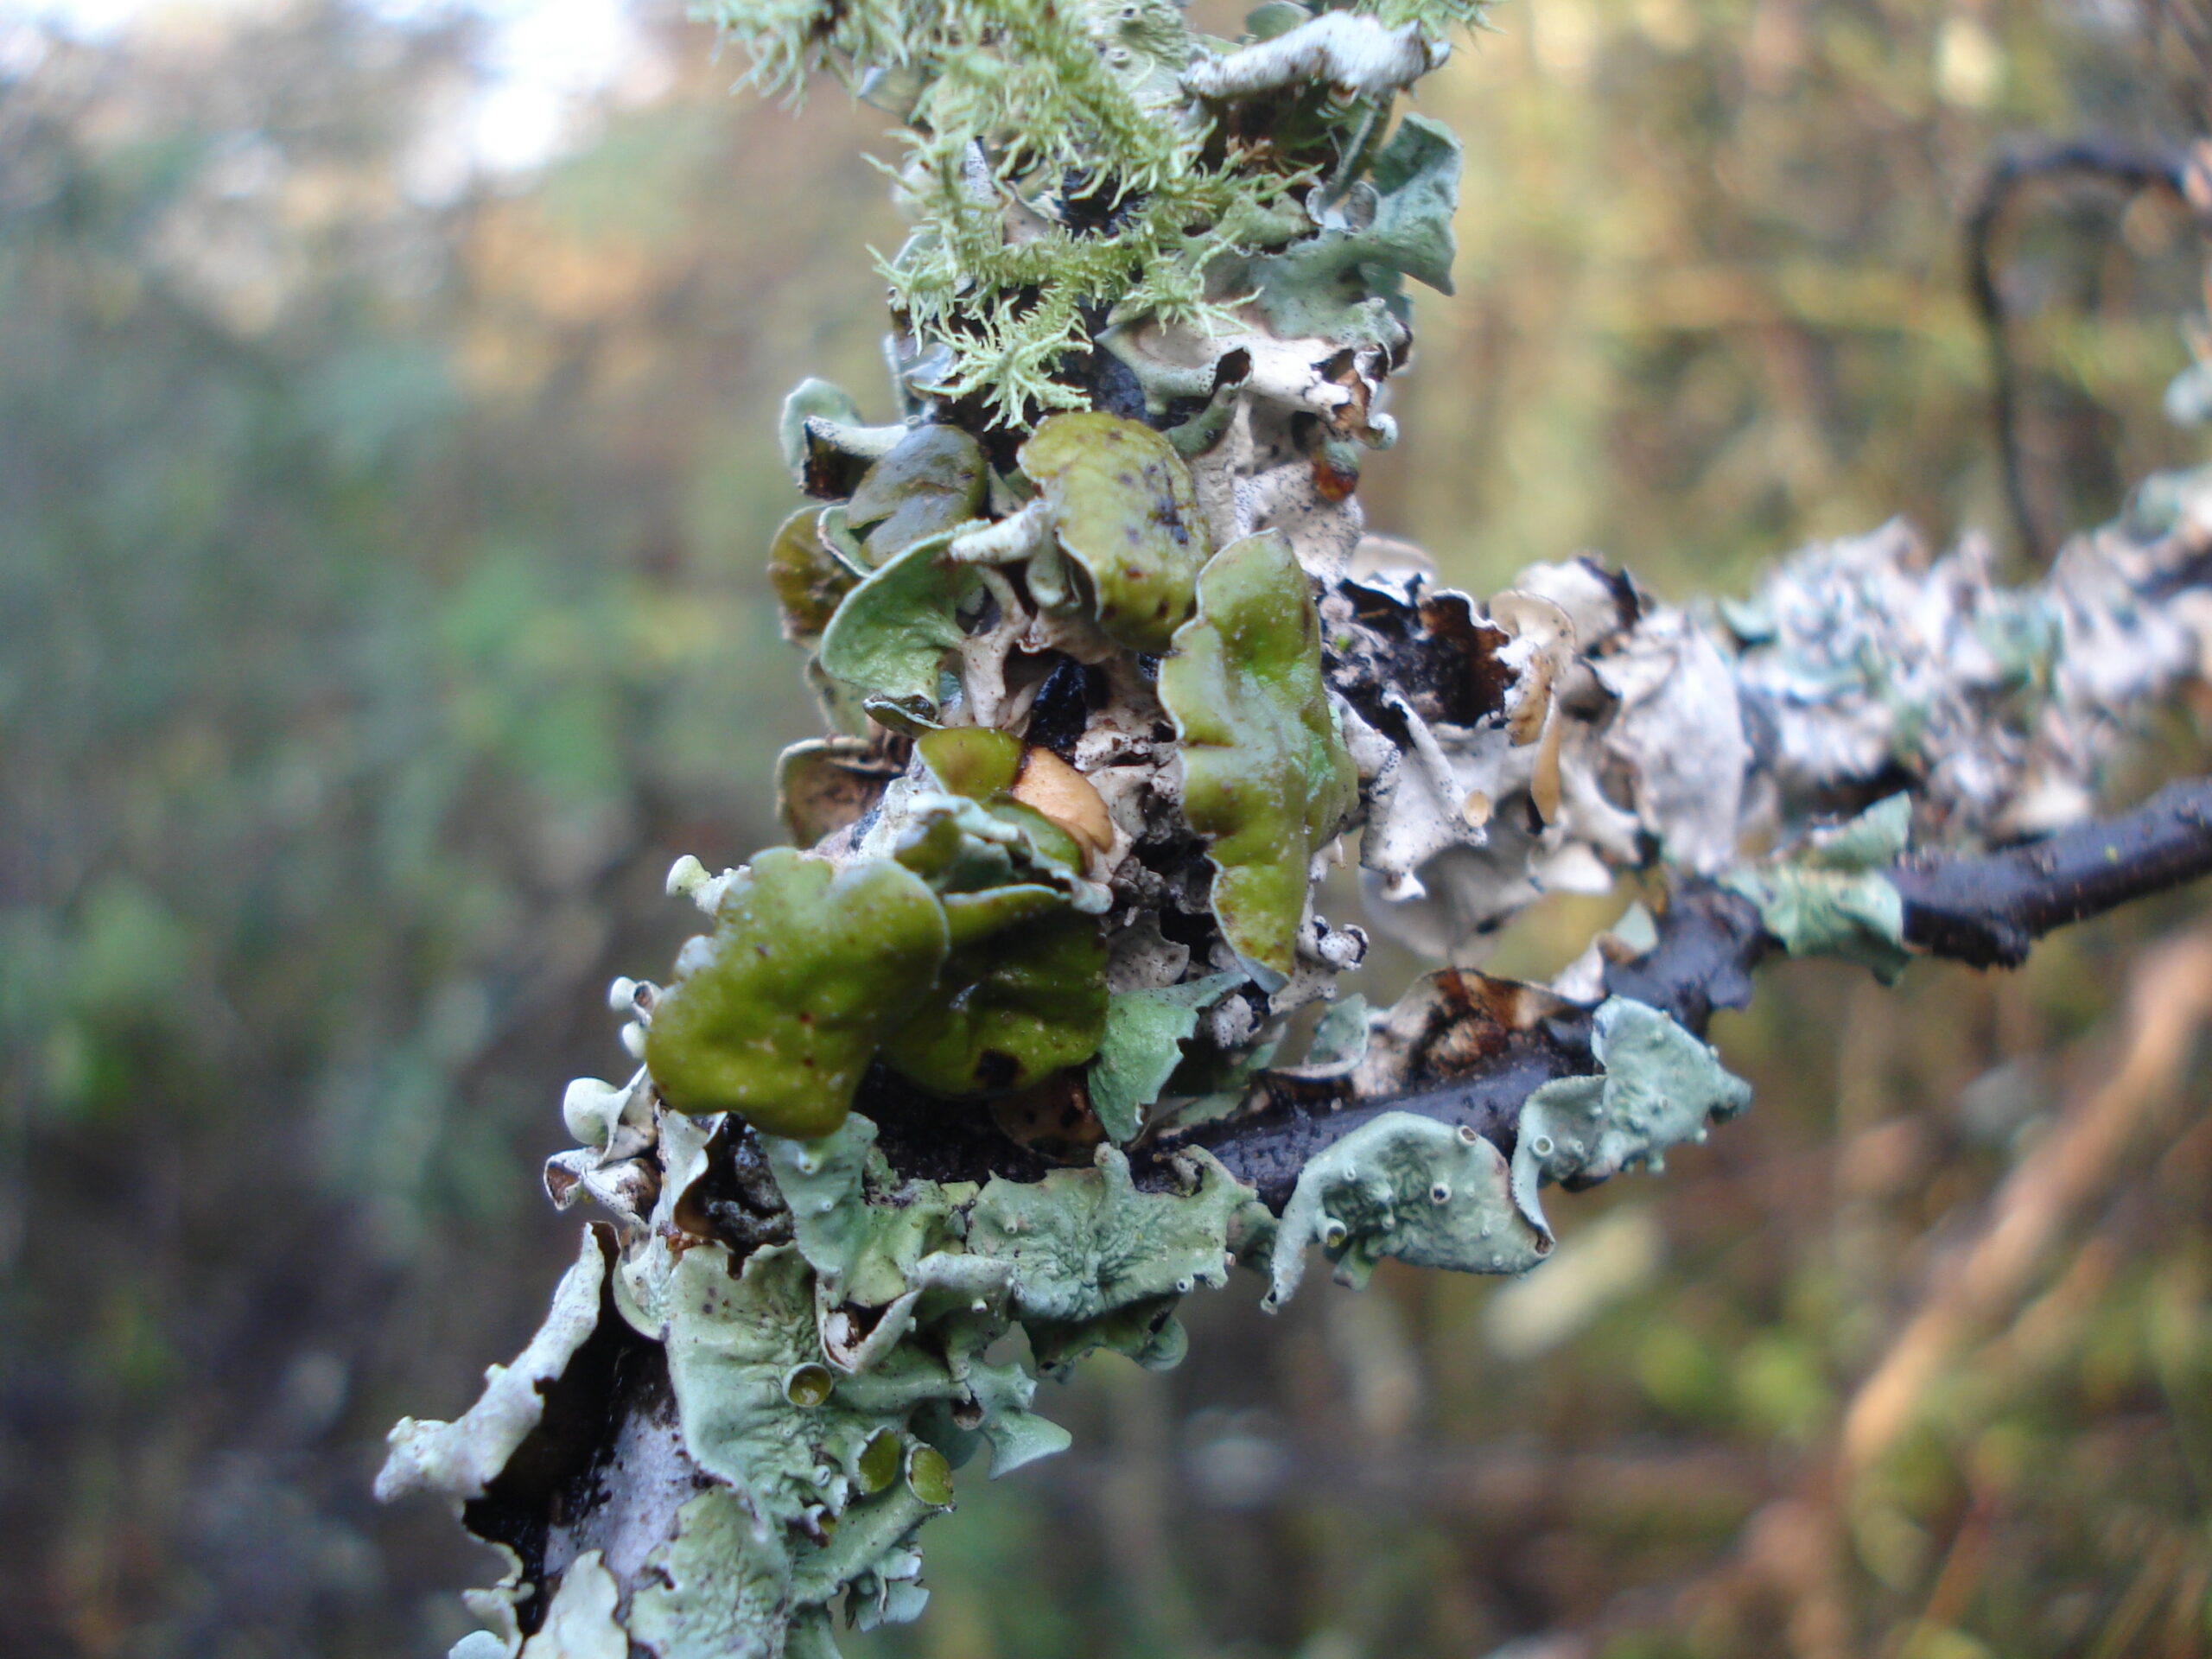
x=381, y=610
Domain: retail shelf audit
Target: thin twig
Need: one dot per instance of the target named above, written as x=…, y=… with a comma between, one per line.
x=1985, y=909
x=2134, y=168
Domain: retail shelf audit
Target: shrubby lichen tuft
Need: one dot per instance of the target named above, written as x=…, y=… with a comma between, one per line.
x=1059, y=170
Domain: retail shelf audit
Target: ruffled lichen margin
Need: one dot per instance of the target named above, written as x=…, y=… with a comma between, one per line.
x=992, y=1067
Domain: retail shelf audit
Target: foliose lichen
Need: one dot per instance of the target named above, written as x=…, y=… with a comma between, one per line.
x=809, y=970
x=1266, y=777
x=829, y=1387
x=1058, y=851
x=1829, y=897
x=1660, y=1086
x=1403, y=1186
x=1119, y=504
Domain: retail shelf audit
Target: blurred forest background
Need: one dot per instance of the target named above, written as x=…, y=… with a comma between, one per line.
x=380, y=611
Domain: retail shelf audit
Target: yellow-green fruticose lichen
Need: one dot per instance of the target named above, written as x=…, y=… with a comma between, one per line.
x=1266, y=777
x=1097, y=148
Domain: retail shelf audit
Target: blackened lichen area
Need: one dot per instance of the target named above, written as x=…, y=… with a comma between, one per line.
x=735, y=1199
x=1063, y=705
x=1435, y=653
x=928, y=1139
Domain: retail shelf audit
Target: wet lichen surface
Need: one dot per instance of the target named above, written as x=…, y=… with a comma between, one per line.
x=1112, y=671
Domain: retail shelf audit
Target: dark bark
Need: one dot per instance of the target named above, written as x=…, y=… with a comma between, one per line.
x=1709, y=941
x=1986, y=909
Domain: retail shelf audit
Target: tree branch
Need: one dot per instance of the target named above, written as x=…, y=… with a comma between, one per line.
x=1989, y=911
x=2132, y=168
x=1985, y=909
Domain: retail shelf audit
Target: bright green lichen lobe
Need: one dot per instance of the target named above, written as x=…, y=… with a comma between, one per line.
x=984, y=765
x=807, y=970
x=973, y=760
x=1011, y=1007
x=1266, y=777
x=809, y=580
x=1023, y=993
x=1126, y=513
x=933, y=481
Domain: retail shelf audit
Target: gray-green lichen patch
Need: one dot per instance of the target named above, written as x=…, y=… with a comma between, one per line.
x=809, y=970
x=1340, y=284
x=824, y=1182
x=734, y=1336
x=826, y=1475
x=1831, y=897
x=1660, y=1086
x=891, y=635
x=1266, y=777
x=460, y=1459
x=1407, y=1186
x=580, y=1623
x=1434, y=1195
x=827, y=1389
x=718, y=1589
x=1085, y=1244
x=1142, y=1045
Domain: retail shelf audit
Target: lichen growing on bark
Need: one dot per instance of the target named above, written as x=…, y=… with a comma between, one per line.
x=1114, y=673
